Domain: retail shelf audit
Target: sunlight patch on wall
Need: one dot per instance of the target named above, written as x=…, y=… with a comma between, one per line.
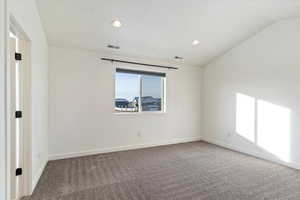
x=273, y=129
x=265, y=124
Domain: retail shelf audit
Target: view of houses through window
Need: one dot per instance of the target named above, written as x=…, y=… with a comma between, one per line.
x=138, y=91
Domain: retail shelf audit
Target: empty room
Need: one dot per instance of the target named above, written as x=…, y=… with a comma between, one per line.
x=150, y=100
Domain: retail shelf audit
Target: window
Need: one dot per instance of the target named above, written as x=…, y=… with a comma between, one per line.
x=139, y=91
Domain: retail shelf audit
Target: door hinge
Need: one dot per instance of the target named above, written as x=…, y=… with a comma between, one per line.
x=18, y=56
x=18, y=114
x=19, y=171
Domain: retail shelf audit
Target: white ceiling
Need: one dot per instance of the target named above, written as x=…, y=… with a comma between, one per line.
x=160, y=29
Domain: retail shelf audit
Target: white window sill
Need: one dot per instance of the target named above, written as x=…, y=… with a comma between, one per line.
x=141, y=113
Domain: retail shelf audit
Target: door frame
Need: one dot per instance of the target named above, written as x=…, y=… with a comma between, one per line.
x=4, y=156
x=26, y=180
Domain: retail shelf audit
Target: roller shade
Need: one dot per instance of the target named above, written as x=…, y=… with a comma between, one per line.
x=129, y=71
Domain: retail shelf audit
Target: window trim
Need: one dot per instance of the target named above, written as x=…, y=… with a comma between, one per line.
x=140, y=73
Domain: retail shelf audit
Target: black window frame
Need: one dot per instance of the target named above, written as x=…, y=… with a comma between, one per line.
x=149, y=73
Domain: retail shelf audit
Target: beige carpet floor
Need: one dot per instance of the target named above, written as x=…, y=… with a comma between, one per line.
x=189, y=171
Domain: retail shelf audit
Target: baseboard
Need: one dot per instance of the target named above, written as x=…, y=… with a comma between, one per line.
x=38, y=175
x=251, y=153
x=122, y=148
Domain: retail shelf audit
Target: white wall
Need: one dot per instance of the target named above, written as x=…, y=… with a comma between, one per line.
x=3, y=172
x=81, y=107
x=266, y=67
x=27, y=16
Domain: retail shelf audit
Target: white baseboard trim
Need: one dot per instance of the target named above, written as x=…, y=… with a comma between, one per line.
x=251, y=153
x=122, y=148
x=38, y=175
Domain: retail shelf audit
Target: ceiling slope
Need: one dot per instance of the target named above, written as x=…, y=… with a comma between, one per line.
x=160, y=29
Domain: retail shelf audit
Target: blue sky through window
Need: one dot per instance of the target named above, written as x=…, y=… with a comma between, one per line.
x=128, y=86
x=151, y=86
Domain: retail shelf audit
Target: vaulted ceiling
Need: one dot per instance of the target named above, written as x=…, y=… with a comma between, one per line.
x=160, y=29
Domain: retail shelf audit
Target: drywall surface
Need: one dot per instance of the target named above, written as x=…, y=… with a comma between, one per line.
x=81, y=107
x=252, y=95
x=26, y=15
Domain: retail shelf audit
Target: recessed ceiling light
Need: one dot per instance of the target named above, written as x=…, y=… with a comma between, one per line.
x=116, y=23
x=195, y=42
x=178, y=57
